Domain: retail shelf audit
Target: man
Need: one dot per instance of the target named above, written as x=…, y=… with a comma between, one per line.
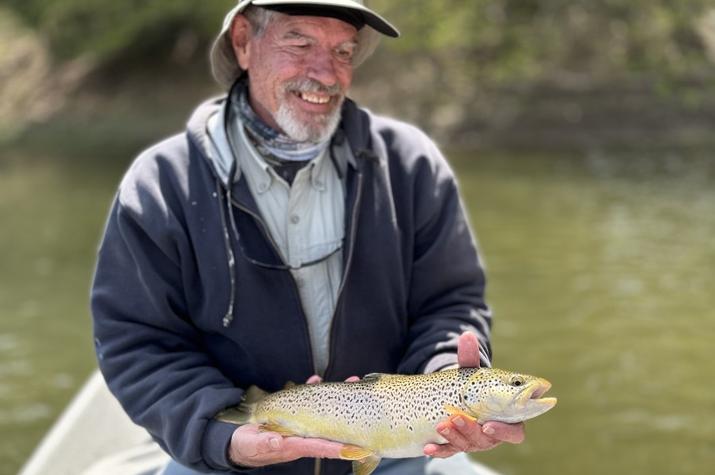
x=287, y=234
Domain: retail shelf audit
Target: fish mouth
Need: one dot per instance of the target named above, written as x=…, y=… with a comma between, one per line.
x=532, y=397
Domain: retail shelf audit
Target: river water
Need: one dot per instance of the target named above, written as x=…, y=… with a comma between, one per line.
x=601, y=276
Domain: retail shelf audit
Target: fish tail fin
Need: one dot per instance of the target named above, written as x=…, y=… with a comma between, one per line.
x=253, y=395
x=243, y=413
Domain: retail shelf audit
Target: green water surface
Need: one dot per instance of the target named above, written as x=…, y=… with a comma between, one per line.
x=601, y=268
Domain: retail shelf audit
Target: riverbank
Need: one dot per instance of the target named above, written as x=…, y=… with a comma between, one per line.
x=113, y=112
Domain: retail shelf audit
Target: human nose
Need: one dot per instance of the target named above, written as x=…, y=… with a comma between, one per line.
x=322, y=68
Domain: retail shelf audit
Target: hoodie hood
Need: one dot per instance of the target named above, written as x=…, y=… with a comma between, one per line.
x=207, y=130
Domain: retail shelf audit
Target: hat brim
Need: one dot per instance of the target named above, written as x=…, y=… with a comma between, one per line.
x=369, y=17
x=225, y=68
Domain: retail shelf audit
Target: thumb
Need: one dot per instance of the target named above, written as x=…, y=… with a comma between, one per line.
x=249, y=441
x=468, y=350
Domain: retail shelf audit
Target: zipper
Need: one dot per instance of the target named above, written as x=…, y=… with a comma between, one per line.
x=318, y=463
x=348, y=262
x=296, y=293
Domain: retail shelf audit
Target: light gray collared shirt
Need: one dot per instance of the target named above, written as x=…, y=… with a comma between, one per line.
x=306, y=221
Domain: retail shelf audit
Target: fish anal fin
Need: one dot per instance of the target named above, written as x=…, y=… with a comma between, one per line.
x=455, y=411
x=365, y=466
x=277, y=428
x=353, y=452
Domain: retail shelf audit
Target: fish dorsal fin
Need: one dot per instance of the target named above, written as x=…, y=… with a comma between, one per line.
x=353, y=452
x=243, y=413
x=365, y=466
x=455, y=411
x=289, y=384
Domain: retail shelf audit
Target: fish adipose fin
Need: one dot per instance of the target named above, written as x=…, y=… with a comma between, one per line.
x=243, y=413
x=455, y=411
x=373, y=376
x=365, y=466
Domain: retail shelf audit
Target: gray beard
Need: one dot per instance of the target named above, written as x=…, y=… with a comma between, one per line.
x=302, y=132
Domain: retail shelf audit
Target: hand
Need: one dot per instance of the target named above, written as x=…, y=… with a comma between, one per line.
x=253, y=447
x=464, y=435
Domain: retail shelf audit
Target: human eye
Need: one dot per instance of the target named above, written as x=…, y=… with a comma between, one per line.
x=345, y=53
x=297, y=41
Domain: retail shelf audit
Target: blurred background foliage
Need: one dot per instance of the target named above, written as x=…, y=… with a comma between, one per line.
x=491, y=40
x=474, y=71
x=119, y=32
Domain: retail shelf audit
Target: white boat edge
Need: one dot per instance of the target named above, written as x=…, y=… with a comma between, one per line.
x=91, y=435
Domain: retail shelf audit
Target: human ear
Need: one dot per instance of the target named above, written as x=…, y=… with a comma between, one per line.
x=240, y=38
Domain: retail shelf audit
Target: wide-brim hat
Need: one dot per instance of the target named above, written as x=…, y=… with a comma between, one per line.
x=224, y=65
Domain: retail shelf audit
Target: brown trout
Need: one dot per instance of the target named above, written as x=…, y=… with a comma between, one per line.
x=394, y=416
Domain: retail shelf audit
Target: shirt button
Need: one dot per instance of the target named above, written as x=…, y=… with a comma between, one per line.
x=295, y=219
x=262, y=187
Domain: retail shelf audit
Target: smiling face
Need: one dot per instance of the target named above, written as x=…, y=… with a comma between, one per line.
x=299, y=69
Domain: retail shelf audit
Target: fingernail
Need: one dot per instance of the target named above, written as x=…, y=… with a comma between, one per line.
x=459, y=422
x=489, y=430
x=275, y=444
x=444, y=431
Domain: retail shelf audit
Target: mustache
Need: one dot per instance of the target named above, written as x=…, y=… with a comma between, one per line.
x=311, y=85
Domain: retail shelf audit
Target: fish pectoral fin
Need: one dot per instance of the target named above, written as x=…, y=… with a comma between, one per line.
x=365, y=466
x=277, y=428
x=353, y=452
x=455, y=411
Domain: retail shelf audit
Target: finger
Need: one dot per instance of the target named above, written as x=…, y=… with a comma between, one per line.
x=468, y=350
x=352, y=379
x=299, y=447
x=269, y=443
x=440, y=450
x=468, y=428
x=454, y=437
x=315, y=379
x=472, y=433
x=512, y=433
x=252, y=447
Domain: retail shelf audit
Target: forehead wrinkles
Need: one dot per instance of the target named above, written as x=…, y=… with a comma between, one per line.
x=316, y=28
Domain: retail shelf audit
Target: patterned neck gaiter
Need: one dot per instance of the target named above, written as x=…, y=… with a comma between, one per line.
x=268, y=141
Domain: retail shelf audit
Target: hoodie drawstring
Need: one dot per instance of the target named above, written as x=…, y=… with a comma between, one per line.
x=228, y=318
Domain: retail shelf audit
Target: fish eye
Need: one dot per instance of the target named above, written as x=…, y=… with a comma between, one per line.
x=516, y=381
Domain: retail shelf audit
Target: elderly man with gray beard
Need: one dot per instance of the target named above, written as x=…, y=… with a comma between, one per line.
x=287, y=235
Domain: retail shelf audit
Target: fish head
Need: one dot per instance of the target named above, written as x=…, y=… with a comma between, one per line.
x=504, y=396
